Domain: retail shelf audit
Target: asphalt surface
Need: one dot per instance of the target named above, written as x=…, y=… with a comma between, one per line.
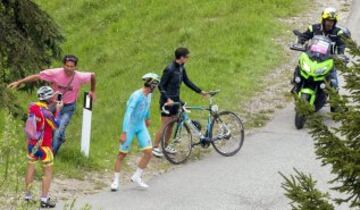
x=247, y=181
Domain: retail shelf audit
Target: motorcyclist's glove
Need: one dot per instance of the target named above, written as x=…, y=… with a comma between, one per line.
x=301, y=40
x=343, y=57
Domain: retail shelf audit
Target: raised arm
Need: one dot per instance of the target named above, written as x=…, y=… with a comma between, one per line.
x=189, y=83
x=31, y=78
x=57, y=114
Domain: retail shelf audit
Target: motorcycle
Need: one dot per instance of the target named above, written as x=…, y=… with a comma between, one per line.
x=312, y=73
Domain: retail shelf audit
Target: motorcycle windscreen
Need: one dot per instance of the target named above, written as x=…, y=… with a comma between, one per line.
x=320, y=50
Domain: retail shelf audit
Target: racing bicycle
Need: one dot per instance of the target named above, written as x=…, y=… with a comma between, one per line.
x=224, y=131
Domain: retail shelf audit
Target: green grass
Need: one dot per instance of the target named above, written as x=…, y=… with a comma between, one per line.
x=2, y=122
x=231, y=49
x=12, y=161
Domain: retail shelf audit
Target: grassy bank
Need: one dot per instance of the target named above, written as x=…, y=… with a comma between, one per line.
x=231, y=44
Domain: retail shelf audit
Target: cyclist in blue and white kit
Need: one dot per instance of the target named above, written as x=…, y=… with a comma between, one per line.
x=136, y=121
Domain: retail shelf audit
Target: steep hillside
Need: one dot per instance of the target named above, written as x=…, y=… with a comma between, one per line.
x=231, y=42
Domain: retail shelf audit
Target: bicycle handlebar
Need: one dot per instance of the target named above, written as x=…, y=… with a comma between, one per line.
x=183, y=106
x=213, y=92
x=297, y=48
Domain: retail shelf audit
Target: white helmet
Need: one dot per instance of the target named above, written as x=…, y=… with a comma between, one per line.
x=45, y=93
x=151, y=79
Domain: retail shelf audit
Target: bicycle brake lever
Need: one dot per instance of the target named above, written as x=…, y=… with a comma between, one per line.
x=186, y=110
x=164, y=110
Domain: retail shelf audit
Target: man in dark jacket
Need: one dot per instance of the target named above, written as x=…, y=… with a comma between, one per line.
x=328, y=28
x=171, y=79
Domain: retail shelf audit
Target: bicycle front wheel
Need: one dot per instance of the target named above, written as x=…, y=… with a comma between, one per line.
x=176, y=142
x=227, y=133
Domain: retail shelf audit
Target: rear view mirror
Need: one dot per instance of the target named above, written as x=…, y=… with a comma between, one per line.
x=297, y=32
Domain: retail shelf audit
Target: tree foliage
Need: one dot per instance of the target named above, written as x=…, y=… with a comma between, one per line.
x=300, y=188
x=29, y=40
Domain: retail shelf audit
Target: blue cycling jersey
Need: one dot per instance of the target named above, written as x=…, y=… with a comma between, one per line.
x=137, y=111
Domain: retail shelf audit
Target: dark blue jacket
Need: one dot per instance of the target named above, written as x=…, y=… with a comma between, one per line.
x=335, y=35
x=171, y=79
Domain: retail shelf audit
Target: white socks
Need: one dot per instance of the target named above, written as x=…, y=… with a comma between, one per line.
x=44, y=199
x=138, y=172
x=116, y=177
x=115, y=184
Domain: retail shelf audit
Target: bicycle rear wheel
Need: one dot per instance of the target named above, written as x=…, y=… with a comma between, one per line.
x=179, y=140
x=227, y=133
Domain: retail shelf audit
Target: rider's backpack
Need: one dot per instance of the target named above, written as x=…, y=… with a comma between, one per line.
x=31, y=127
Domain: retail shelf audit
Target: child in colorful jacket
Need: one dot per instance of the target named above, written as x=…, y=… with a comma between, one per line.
x=39, y=146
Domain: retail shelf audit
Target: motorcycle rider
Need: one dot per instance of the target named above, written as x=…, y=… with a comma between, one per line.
x=328, y=28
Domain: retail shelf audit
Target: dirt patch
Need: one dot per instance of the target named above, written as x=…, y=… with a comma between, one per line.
x=257, y=112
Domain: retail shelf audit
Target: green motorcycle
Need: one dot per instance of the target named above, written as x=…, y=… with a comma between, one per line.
x=312, y=73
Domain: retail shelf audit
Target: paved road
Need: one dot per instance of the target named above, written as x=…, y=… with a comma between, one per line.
x=248, y=181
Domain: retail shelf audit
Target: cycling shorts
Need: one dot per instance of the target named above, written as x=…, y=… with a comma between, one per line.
x=42, y=153
x=143, y=137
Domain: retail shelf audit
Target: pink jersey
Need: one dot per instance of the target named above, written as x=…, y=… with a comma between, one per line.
x=59, y=81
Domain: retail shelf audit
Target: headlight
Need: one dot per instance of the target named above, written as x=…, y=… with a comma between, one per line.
x=320, y=71
x=214, y=108
x=306, y=67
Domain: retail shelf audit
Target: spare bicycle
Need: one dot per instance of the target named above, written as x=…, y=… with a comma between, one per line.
x=224, y=131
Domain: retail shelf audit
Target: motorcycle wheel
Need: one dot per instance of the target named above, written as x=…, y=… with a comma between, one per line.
x=299, y=120
x=332, y=109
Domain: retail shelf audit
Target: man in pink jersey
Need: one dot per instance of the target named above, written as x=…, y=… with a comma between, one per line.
x=67, y=81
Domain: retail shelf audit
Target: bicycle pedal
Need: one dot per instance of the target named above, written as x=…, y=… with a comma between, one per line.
x=205, y=144
x=195, y=144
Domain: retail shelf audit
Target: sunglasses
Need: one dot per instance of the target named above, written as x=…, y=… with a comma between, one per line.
x=71, y=59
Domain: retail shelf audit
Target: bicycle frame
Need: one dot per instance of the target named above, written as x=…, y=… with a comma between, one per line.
x=185, y=119
x=219, y=128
